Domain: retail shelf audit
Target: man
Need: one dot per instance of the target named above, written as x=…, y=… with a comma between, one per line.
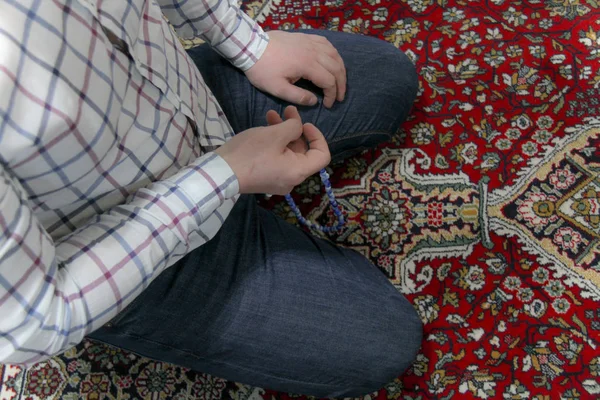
x=126, y=202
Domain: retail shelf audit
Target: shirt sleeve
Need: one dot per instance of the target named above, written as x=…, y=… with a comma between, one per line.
x=221, y=23
x=53, y=294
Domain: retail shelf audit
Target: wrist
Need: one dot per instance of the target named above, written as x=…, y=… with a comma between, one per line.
x=237, y=170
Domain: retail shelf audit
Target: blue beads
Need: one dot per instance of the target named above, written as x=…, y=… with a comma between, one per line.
x=337, y=210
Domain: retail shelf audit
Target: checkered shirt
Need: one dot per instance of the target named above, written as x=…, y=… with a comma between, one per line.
x=107, y=167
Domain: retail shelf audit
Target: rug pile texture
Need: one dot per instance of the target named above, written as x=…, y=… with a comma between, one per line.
x=484, y=211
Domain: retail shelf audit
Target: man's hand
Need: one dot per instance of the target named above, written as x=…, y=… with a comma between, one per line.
x=274, y=159
x=292, y=56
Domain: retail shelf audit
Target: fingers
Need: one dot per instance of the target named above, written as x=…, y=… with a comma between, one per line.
x=318, y=156
x=298, y=160
x=338, y=70
x=324, y=79
x=273, y=118
x=324, y=67
x=298, y=145
x=291, y=112
x=289, y=92
x=318, y=39
x=288, y=131
x=315, y=138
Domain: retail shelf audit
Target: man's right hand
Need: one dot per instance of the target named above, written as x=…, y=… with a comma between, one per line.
x=270, y=159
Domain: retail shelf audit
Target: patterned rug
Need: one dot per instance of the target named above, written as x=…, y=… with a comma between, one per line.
x=485, y=212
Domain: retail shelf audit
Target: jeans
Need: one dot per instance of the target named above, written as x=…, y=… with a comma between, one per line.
x=265, y=303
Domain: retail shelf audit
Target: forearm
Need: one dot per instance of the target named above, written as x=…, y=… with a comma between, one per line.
x=53, y=294
x=220, y=23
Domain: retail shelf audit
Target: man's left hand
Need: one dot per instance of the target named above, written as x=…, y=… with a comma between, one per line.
x=290, y=57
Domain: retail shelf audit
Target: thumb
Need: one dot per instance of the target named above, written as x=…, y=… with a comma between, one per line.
x=294, y=94
x=318, y=155
x=288, y=131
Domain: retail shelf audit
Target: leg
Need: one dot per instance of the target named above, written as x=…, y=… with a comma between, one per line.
x=266, y=304
x=382, y=85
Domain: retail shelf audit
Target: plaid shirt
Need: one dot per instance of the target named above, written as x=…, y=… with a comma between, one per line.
x=107, y=169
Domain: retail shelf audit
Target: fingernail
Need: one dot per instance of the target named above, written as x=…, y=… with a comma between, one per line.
x=312, y=101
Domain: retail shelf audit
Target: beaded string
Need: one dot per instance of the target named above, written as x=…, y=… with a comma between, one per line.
x=337, y=209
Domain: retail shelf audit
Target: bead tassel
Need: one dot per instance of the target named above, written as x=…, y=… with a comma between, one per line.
x=337, y=209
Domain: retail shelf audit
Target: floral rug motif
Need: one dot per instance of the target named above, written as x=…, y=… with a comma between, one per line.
x=484, y=211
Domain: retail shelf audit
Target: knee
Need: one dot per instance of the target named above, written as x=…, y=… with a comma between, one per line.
x=400, y=75
x=399, y=350
x=404, y=346
x=395, y=80
x=389, y=68
x=408, y=79
x=388, y=356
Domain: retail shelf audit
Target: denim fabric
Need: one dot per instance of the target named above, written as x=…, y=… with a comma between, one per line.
x=382, y=85
x=265, y=303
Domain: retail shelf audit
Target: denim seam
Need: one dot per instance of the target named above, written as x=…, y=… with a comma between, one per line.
x=215, y=361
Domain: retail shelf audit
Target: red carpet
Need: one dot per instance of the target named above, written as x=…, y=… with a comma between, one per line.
x=485, y=212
